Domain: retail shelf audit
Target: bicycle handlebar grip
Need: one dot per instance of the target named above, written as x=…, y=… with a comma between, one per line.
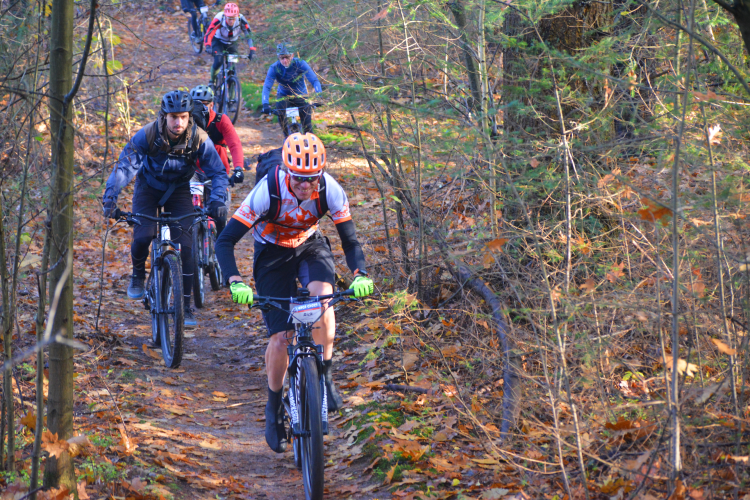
x=118, y=214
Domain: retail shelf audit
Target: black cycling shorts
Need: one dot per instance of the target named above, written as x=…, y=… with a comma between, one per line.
x=190, y=5
x=276, y=270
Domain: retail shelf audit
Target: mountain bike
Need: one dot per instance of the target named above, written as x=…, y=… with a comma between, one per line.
x=164, y=297
x=291, y=117
x=227, y=95
x=196, y=42
x=204, y=239
x=305, y=401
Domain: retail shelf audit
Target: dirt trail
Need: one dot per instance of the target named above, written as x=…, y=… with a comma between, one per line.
x=204, y=421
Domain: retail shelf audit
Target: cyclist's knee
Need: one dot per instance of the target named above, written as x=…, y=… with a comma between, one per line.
x=319, y=288
x=278, y=342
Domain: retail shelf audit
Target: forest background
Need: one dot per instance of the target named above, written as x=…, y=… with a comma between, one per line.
x=557, y=227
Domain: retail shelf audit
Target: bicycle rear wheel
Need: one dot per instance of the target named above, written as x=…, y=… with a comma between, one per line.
x=171, y=310
x=311, y=420
x=233, y=98
x=197, y=44
x=214, y=271
x=199, y=293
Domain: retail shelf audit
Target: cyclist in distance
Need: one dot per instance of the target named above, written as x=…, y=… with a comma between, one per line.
x=287, y=247
x=162, y=156
x=223, y=33
x=192, y=7
x=290, y=72
x=221, y=132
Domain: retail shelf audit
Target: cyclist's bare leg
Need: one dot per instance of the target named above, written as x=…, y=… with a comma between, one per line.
x=277, y=360
x=325, y=329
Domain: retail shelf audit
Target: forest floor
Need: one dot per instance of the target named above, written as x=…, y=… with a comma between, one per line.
x=197, y=432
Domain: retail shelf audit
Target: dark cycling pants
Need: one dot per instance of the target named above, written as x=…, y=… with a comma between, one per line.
x=192, y=6
x=217, y=49
x=276, y=270
x=145, y=199
x=304, y=114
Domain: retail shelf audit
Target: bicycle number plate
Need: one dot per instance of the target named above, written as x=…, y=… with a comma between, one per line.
x=233, y=58
x=165, y=235
x=204, y=10
x=309, y=312
x=292, y=112
x=196, y=187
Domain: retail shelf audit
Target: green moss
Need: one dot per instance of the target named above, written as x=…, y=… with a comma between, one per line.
x=252, y=95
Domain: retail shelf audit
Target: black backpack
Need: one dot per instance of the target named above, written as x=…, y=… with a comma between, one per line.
x=269, y=164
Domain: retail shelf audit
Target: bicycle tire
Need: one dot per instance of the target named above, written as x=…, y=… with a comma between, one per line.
x=214, y=271
x=233, y=96
x=219, y=95
x=150, y=299
x=199, y=293
x=197, y=45
x=311, y=446
x=171, y=310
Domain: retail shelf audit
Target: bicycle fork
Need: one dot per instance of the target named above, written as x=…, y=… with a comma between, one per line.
x=294, y=389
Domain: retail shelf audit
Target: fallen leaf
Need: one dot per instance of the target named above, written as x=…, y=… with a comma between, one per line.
x=150, y=352
x=380, y=15
x=682, y=366
x=52, y=445
x=589, y=286
x=410, y=361
x=81, y=487
x=721, y=346
x=497, y=244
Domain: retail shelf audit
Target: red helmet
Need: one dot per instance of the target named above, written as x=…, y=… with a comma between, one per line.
x=304, y=154
x=231, y=10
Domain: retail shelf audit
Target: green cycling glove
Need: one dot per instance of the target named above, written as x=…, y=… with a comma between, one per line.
x=362, y=286
x=241, y=293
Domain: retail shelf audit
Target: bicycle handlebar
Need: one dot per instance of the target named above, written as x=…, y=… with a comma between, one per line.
x=262, y=302
x=282, y=112
x=119, y=215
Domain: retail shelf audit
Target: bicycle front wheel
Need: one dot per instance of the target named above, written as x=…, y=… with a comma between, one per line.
x=214, y=271
x=219, y=96
x=199, y=293
x=311, y=420
x=233, y=98
x=196, y=43
x=172, y=310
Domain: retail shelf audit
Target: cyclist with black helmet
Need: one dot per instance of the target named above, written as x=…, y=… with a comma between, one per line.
x=162, y=155
x=222, y=133
x=222, y=35
x=290, y=72
x=288, y=247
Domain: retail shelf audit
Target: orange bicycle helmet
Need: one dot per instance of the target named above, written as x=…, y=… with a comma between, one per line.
x=304, y=153
x=231, y=10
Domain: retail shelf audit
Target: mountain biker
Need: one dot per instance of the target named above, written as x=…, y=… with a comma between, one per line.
x=162, y=155
x=222, y=133
x=290, y=247
x=290, y=72
x=223, y=33
x=190, y=6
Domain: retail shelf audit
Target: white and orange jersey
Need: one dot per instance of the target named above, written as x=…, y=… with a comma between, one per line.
x=297, y=221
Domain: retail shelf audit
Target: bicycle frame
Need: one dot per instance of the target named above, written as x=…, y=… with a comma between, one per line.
x=161, y=245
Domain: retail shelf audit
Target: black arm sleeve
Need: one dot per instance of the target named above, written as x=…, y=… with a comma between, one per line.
x=355, y=259
x=232, y=233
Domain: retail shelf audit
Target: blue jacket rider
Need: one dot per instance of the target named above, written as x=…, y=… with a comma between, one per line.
x=162, y=155
x=290, y=72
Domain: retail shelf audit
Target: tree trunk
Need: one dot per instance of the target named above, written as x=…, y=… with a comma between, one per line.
x=459, y=14
x=740, y=9
x=7, y=323
x=59, y=471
